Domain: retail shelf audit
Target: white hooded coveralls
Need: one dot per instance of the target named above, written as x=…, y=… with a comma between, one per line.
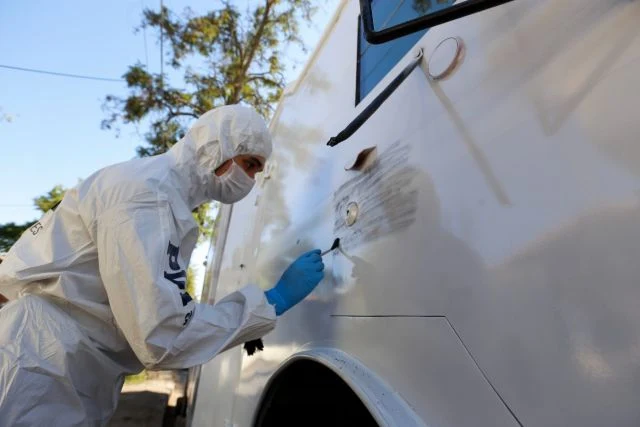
x=97, y=286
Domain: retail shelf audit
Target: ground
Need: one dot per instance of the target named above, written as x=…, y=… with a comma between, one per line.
x=150, y=401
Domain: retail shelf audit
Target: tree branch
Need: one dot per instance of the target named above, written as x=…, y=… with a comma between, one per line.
x=262, y=79
x=173, y=114
x=253, y=47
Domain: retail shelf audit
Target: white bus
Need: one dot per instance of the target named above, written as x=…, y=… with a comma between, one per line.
x=483, y=175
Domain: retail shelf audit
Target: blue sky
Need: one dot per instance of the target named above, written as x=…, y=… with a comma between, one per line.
x=55, y=136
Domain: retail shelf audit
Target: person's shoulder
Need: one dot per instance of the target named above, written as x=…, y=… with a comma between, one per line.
x=132, y=182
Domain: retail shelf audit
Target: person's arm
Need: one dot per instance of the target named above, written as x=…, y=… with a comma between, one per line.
x=144, y=277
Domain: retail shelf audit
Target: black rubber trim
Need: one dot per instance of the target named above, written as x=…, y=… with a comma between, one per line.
x=358, y=61
x=375, y=104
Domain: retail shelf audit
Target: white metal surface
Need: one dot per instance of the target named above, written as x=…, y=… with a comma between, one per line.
x=448, y=389
x=508, y=202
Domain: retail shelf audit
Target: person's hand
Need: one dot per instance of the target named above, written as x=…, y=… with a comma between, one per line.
x=302, y=276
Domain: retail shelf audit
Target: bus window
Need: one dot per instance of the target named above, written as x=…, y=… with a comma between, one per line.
x=387, y=20
x=375, y=61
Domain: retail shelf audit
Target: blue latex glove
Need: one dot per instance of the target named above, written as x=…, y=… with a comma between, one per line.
x=302, y=276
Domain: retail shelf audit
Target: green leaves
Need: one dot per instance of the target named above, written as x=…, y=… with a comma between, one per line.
x=11, y=232
x=49, y=200
x=224, y=57
x=205, y=222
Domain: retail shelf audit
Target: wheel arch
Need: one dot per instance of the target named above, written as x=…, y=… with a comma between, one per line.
x=385, y=405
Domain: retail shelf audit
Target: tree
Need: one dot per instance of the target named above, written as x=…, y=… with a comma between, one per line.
x=191, y=282
x=51, y=199
x=240, y=62
x=10, y=232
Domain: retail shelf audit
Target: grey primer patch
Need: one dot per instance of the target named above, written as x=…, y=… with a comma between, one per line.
x=386, y=195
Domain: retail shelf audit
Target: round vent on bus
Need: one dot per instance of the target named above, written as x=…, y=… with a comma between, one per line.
x=445, y=58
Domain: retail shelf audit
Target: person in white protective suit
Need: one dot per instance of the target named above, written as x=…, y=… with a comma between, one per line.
x=97, y=286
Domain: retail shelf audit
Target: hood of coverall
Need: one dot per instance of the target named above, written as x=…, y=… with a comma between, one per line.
x=217, y=136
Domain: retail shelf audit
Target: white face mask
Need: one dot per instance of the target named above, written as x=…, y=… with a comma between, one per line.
x=233, y=186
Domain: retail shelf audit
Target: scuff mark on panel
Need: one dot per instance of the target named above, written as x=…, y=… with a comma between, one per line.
x=366, y=158
x=386, y=195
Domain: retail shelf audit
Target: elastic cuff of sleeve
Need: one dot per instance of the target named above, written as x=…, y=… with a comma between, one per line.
x=274, y=298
